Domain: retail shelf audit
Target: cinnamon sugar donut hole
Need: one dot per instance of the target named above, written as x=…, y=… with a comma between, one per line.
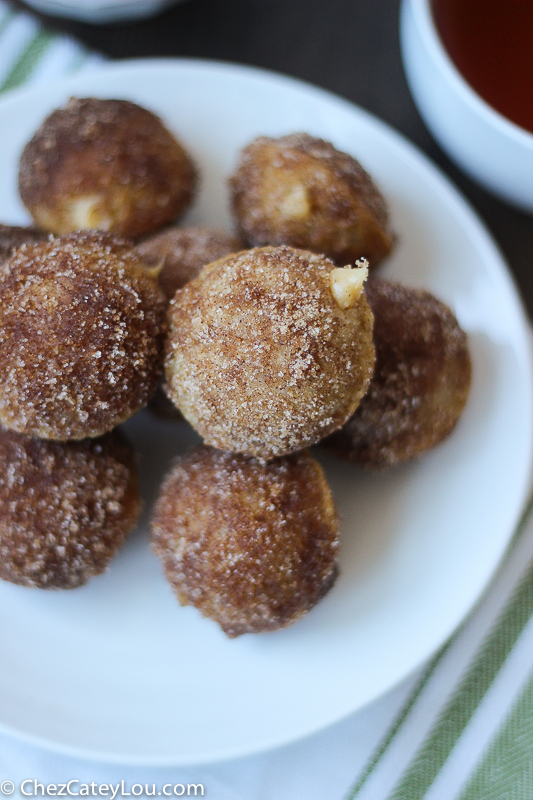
x=12, y=237
x=420, y=384
x=253, y=546
x=81, y=336
x=176, y=256
x=180, y=253
x=65, y=509
x=302, y=191
x=105, y=164
x=261, y=359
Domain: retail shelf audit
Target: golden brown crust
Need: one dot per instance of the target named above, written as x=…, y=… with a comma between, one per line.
x=65, y=509
x=421, y=380
x=260, y=358
x=177, y=256
x=107, y=164
x=180, y=254
x=301, y=191
x=12, y=237
x=253, y=546
x=81, y=336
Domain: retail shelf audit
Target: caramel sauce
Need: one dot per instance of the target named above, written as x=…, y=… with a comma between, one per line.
x=491, y=44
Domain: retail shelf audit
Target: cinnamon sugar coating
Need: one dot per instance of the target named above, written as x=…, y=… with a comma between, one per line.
x=13, y=236
x=302, y=191
x=253, y=546
x=180, y=254
x=65, y=508
x=105, y=164
x=420, y=384
x=177, y=255
x=81, y=336
x=260, y=358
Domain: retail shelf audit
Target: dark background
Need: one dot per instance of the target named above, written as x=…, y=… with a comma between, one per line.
x=348, y=46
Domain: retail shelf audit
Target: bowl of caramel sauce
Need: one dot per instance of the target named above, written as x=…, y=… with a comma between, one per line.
x=469, y=65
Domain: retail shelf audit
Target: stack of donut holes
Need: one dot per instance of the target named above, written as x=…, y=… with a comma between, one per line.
x=267, y=341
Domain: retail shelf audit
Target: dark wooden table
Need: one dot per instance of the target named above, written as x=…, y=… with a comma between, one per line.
x=348, y=46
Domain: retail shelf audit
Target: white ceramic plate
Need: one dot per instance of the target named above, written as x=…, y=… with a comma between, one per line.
x=117, y=670
x=101, y=11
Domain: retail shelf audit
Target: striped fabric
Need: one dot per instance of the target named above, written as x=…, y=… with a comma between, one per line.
x=464, y=728
x=29, y=52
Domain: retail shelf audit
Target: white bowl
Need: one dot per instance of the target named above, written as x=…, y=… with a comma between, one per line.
x=101, y=11
x=491, y=149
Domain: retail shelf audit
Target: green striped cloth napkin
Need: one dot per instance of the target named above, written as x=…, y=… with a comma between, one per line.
x=460, y=729
x=466, y=729
x=29, y=52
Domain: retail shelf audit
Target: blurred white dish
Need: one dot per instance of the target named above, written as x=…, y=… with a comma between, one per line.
x=489, y=147
x=101, y=11
x=117, y=670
